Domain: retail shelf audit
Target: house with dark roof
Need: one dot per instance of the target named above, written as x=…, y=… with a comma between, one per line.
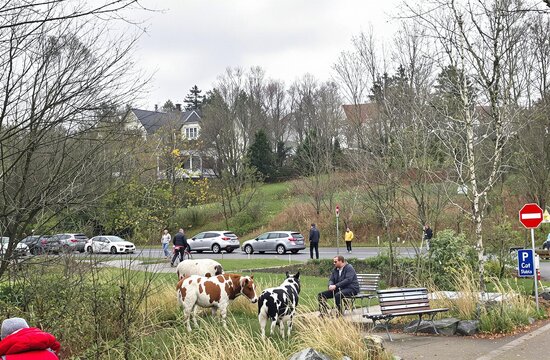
x=149, y=122
x=186, y=124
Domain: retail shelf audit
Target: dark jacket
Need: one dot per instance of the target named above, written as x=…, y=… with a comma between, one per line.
x=428, y=233
x=180, y=240
x=348, y=279
x=314, y=235
x=29, y=343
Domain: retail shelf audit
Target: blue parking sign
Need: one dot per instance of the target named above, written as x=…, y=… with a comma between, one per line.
x=526, y=263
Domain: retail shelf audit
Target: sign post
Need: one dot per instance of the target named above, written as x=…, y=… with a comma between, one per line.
x=531, y=216
x=337, y=231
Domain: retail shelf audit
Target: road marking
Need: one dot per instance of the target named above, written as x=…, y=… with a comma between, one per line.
x=531, y=216
x=512, y=344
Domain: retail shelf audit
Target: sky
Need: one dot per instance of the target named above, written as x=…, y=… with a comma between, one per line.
x=192, y=42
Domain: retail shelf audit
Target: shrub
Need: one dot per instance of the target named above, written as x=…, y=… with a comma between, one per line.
x=449, y=251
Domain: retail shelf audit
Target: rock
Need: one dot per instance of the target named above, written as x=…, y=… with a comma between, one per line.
x=467, y=327
x=309, y=354
x=545, y=294
x=444, y=326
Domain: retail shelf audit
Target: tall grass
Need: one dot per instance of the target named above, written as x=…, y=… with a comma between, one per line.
x=515, y=310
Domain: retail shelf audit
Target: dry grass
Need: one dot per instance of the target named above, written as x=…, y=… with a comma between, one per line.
x=335, y=337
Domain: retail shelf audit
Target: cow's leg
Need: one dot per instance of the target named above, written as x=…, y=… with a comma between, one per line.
x=187, y=310
x=223, y=313
x=289, y=324
x=282, y=327
x=262, y=318
x=195, y=309
x=274, y=322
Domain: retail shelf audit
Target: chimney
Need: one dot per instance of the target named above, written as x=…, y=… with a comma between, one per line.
x=178, y=107
x=156, y=107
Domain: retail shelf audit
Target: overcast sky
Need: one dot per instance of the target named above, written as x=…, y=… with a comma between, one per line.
x=193, y=41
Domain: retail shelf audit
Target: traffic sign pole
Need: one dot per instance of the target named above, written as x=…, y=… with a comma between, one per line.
x=536, y=269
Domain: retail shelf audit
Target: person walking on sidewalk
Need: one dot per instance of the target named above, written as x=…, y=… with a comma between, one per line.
x=314, y=237
x=165, y=241
x=348, y=237
x=180, y=245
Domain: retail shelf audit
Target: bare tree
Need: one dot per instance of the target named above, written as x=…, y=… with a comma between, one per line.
x=56, y=152
x=479, y=39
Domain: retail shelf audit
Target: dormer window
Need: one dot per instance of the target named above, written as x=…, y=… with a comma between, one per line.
x=191, y=133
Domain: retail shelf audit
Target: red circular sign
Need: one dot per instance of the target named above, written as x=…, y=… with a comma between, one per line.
x=337, y=210
x=530, y=216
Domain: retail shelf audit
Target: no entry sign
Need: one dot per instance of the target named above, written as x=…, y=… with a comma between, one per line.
x=530, y=216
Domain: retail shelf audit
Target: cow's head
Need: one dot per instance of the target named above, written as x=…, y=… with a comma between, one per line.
x=248, y=288
x=219, y=270
x=293, y=280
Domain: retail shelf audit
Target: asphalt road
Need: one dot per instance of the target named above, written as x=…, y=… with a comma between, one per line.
x=303, y=255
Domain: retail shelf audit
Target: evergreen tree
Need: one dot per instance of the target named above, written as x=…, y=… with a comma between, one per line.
x=261, y=156
x=194, y=100
x=168, y=106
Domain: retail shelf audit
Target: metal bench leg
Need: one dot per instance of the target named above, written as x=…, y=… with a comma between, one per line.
x=418, y=325
x=433, y=325
x=387, y=330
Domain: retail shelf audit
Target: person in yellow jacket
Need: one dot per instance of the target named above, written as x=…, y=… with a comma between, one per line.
x=348, y=237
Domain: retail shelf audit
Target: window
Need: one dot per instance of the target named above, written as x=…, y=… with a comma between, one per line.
x=191, y=133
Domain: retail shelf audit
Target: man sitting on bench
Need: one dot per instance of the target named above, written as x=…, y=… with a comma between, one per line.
x=342, y=283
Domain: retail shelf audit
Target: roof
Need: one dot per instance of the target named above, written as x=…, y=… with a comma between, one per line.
x=153, y=120
x=360, y=113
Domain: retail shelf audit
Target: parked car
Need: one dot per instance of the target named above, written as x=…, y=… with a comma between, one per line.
x=40, y=244
x=20, y=249
x=109, y=244
x=71, y=241
x=278, y=241
x=214, y=241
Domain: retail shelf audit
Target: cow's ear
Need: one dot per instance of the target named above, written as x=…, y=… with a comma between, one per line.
x=297, y=275
x=287, y=275
x=252, y=277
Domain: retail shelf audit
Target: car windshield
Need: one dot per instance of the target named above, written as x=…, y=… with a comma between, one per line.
x=114, y=239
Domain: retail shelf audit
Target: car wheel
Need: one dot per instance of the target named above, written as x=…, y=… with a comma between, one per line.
x=90, y=250
x=294, y=251
x=216, y=249
x=113, y=250
x=248, y=249
x=229, y=251
x=281, y=249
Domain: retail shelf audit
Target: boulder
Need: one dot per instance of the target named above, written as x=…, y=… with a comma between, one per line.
x=443, y=326
x=309, y=354
x=467, y=327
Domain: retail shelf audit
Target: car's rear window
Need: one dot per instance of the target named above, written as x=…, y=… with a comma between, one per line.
x=80, y=236
x=297, y=235
x=229, y=234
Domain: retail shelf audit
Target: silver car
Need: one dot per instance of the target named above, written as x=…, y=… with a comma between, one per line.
x=278, y=241
x=214, y=241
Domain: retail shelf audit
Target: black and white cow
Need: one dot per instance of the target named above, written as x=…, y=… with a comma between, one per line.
x=278, y=304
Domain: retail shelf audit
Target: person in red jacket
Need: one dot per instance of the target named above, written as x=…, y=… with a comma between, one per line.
x=21, y=342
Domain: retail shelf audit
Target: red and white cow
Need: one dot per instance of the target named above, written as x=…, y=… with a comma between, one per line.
x=214, y=292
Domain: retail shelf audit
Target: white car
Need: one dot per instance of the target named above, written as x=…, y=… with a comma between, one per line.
x=109, y=244
x=21, y=249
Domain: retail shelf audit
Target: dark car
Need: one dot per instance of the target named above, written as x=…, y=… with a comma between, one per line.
x=40, y=244
x=71, y=241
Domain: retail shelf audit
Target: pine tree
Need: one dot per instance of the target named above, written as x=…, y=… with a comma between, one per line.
x=194, y=100
x=261, y=156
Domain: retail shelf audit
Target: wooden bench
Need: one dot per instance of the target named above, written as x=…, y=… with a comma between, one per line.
x=404, y=302
x=368, y=285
